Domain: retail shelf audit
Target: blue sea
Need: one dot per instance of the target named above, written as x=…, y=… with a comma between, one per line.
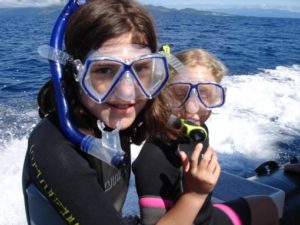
x=260, y=120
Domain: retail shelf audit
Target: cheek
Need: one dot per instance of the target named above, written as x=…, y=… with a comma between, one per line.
x=205, y=115
x=106, y=114
x=140, y=106
x=93, y=107
x=179, y=112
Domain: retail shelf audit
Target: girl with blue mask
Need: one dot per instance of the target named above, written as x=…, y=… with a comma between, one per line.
x=97, y=104
x=183, y=171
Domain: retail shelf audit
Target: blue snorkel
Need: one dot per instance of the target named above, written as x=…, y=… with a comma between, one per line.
x=108, y=148
x=56, y=42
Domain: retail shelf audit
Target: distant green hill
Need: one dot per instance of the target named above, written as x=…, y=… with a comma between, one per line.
x=43, y=11
x=260, y=12
x=54, y=10
x=190, y=11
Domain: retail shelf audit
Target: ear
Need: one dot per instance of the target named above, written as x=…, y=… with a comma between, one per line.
x=77, y=69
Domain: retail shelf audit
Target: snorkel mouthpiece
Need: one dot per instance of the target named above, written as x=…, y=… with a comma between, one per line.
x=107, y=148
x=192, y=131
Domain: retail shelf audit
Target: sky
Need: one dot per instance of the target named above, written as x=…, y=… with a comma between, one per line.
x=290, y=5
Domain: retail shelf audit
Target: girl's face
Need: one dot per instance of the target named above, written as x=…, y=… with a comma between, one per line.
x=193, y=109
x=117, y=110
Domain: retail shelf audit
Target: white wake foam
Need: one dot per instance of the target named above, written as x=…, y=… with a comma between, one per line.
x=260, y=110
x=11, y=199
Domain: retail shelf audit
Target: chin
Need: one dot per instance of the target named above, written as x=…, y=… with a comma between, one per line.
x=125, y=123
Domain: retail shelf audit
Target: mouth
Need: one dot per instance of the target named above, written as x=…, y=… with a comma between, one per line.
x=194, y=121
x=120, y=106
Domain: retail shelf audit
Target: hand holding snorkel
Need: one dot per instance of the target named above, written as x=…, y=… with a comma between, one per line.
x=200, y=168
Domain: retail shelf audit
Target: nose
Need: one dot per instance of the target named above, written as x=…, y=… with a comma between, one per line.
x=125, y=88
x=193, y=104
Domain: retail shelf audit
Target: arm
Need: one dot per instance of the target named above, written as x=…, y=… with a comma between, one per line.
x=199, y=180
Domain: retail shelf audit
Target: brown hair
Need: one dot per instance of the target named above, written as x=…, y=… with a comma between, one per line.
x=88, y=28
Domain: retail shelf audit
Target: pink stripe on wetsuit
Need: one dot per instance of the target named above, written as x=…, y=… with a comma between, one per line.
x=155, y=202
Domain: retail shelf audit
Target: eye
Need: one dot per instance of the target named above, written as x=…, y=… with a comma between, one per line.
x=104, y=69
x=179, y=90
x=142, y=68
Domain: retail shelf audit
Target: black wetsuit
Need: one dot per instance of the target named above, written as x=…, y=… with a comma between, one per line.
x=82, y=189
x=158, y=177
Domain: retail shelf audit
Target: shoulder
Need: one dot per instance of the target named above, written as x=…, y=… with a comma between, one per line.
x=47, y=131
x=49, y=149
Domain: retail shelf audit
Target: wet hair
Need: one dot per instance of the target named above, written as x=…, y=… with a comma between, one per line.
x=88, y=28
x=191, y=58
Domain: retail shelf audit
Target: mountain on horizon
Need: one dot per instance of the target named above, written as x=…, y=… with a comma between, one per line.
x=190, y=11
x=161, y=9
x=258, y=12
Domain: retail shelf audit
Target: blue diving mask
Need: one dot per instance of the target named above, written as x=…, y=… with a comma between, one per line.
x=181, y=89
x=209, y=94
x=128, y=72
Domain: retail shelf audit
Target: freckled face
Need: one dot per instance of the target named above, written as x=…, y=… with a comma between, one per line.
x=116, y=110
x=193, y=109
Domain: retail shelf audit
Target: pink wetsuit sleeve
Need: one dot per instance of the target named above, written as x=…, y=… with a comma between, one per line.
x=155, y=202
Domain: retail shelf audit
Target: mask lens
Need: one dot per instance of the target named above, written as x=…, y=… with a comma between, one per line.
x=211, y=94
x=151, y=73
x=102, y=75
x=178, y=94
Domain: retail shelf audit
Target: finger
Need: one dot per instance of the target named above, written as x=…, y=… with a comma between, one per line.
x=195, y=156
x=217, y=170
x=212, y=163
x=184, y=161
x=205, y=158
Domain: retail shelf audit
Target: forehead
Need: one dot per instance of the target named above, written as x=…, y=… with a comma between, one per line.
x=120, y=51
x=195, y=74
x=121, y=48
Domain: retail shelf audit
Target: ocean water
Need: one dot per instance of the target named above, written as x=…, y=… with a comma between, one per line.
x=260, y=120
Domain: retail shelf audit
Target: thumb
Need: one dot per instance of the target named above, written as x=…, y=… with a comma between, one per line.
x=184, y=161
